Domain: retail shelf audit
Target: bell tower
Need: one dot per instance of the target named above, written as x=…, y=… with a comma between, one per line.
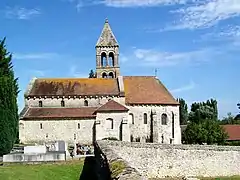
x=107, y=53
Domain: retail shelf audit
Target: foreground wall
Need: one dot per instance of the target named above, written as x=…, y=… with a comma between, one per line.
x=157, y=160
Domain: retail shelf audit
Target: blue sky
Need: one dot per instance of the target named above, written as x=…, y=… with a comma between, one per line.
x=194, y=44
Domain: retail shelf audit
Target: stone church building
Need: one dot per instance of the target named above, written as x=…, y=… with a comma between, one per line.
x=128, y=108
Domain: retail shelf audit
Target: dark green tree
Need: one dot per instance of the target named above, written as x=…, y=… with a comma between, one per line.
x=92, y=74
x=203, y=125
x=183, y=109
x=8, y=101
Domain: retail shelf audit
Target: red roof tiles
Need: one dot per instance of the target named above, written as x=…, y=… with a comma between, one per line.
x=138, y=89
x=112, y=106
x=233, y=132
x=146, y=90
x=76, y=86
x=59, y=113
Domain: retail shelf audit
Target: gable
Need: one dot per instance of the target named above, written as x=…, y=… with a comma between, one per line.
x=111, y=106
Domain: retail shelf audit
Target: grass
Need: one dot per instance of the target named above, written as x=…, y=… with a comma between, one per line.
x=70, y=170
x=117, y=167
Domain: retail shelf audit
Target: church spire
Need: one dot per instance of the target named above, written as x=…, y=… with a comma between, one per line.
x=107, y=37
x=107, y=54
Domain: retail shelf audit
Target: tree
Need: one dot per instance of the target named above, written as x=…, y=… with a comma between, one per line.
x=230, y=119
x=183, y=110
x=203, y=125
x=8, y=101
x=92, y=74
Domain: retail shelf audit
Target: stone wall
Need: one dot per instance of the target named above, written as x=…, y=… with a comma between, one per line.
x=55, y=130
x=105, y=169
x=159, y=160
x=141, y=131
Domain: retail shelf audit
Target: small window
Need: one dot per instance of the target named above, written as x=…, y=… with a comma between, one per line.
x=131, y=118
x=40, y=104
x=41, y=126
x=74, y=136
x=85, y=103
x=145, y=118
x=164, y=119
x=62, y=103
x=47, y=135
x=109, y=123
x=79, y=126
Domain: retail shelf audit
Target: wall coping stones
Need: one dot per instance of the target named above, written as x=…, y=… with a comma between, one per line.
x=128, y=173
x=107, y=143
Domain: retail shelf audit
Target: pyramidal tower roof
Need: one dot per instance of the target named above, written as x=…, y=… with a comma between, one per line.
x=107, y=37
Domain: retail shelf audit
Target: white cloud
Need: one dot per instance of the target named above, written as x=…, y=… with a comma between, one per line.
x=142, y=3
x=187, y=87
x=32, y=56
x=205, y=14
x=75, y=73
x=128, y=3
x=154, y=58
x=21, y=13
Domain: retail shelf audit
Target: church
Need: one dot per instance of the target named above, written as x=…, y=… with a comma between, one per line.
x=126, y=108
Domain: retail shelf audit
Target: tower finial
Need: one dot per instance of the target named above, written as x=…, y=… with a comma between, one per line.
x=106, y=20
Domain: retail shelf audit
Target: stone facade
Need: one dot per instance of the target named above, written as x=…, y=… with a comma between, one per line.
x=158, y=161
x=146, y=111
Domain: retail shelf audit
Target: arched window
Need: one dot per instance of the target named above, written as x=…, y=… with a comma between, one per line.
x=79, y=126
x=103, y=59
x=41, y=126
x=111, y=59
x=109, y=123
x=111, y=75
x=85, y=103
x=145, y=118
x=164, y=119
x=62, y=103
x=131, y=118
x=40, y=104
x=104, y=75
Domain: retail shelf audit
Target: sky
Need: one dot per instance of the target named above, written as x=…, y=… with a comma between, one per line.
x=193, y=44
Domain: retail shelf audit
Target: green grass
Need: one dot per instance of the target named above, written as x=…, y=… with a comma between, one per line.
x=56, y=171
x=117, y=167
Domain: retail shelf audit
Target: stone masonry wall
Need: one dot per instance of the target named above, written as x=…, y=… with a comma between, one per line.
x=104, y=168
x=158, y=160
x=66, y=130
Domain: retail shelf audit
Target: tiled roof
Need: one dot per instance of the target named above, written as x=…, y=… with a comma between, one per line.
x=112, y=106
x=233, y=131
x=138, y=89
x=146, y=90
x=75, y=86
x=59, y=113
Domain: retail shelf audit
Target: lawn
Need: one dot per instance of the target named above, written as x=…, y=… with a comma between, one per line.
x=65, y=171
